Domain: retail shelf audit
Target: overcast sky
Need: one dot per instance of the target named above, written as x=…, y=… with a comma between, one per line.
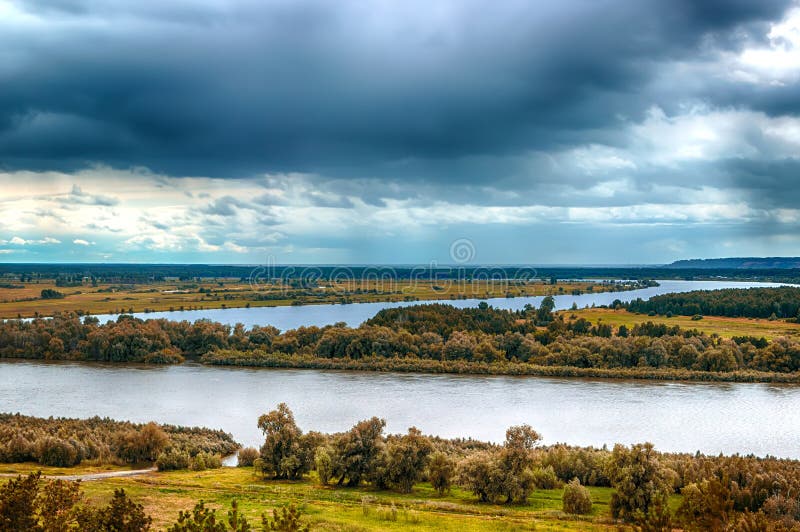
x=576, y=131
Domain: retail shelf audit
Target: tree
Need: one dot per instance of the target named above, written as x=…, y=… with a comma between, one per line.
x=441, y=470
x=503, y=475
x=286, y=453
x=357, y=451
x=18, y=503
x=640, y=486
x=406, y=459
x=247, y=456
x=121, y=515
x=202, y=519
x=143, y=445
x=707, y=505
x=545, y=313
x=288, y=520
x=56, y=502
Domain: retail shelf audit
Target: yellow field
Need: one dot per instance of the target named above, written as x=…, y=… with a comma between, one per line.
x=107, y=299
x=725, y=327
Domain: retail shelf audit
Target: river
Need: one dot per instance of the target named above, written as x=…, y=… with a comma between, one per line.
x=713, y=418
x=291, y=317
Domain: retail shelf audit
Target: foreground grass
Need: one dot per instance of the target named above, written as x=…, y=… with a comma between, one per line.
x=347, y=509
x=725, y=327
x=84, y=468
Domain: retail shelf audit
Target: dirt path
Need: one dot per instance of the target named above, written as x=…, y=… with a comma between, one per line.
x=93, y=476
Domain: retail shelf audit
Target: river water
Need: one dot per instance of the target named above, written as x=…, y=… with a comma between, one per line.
x=291, y=317
x=721, y=417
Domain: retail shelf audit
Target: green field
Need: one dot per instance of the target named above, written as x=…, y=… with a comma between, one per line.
x=347, y=509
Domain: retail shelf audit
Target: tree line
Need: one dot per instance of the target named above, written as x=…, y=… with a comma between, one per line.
x=779, y=303
x=420, y=337
x=65, y=442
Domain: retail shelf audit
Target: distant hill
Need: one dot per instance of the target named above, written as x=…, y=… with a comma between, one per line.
x=739, y=263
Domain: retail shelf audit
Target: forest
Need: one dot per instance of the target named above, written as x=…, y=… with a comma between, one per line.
x=421, y=336
x=709, y=492
x=775, y=303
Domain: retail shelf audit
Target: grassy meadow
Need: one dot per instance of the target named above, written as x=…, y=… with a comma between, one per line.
x=722, y=326
x=347, y=509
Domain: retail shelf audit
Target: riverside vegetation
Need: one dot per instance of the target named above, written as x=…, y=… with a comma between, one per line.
x=430, y=338
x=364, y=479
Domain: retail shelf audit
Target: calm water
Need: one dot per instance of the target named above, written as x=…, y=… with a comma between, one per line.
x=292, y=317
x=745, y=418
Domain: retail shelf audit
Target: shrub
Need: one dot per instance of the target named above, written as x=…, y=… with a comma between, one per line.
x=172, y=460
x=56, y=452
x=246, y=457
x=287, y=520
x=203, y=461
x=576, y=498
x=324, y=465
x=544, y=478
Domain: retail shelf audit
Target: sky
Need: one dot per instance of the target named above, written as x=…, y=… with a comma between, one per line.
x=310, y=131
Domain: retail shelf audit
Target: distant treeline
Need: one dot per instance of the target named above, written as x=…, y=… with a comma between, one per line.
x=779, y=302
x=143, y=273
x=418, y=337
x=66, y=442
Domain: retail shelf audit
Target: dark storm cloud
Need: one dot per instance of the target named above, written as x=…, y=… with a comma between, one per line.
x=366, y=90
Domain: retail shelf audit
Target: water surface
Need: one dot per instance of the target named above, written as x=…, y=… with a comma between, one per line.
x=722, y=417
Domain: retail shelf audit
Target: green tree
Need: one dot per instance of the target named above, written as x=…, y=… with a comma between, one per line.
x=357, y=452
x=545, y=313
x=406, y=459
x=640, y=485
x=286, y=453
x=287, y=520
x=121, y=515
x=441, y=470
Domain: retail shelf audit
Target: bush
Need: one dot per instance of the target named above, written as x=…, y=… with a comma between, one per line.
x=544, y=478
x=58, y=453
x=203, y=461
x=246, y=457
x=576, y=498
x=324, y=465
x=172, y=460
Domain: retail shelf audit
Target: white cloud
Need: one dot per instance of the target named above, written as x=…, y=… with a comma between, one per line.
x=17, y=241
x=777, y=63
x=81, y=242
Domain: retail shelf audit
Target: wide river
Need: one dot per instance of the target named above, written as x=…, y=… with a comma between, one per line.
x=712, y=418
x=291, y=317
x=746, y=418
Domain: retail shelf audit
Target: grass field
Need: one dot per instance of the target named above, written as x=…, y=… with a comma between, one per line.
x=725, y=327
x=164, y=296
x=348, y=509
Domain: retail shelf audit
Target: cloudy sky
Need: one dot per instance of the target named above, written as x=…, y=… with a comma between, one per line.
x=306, y=131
